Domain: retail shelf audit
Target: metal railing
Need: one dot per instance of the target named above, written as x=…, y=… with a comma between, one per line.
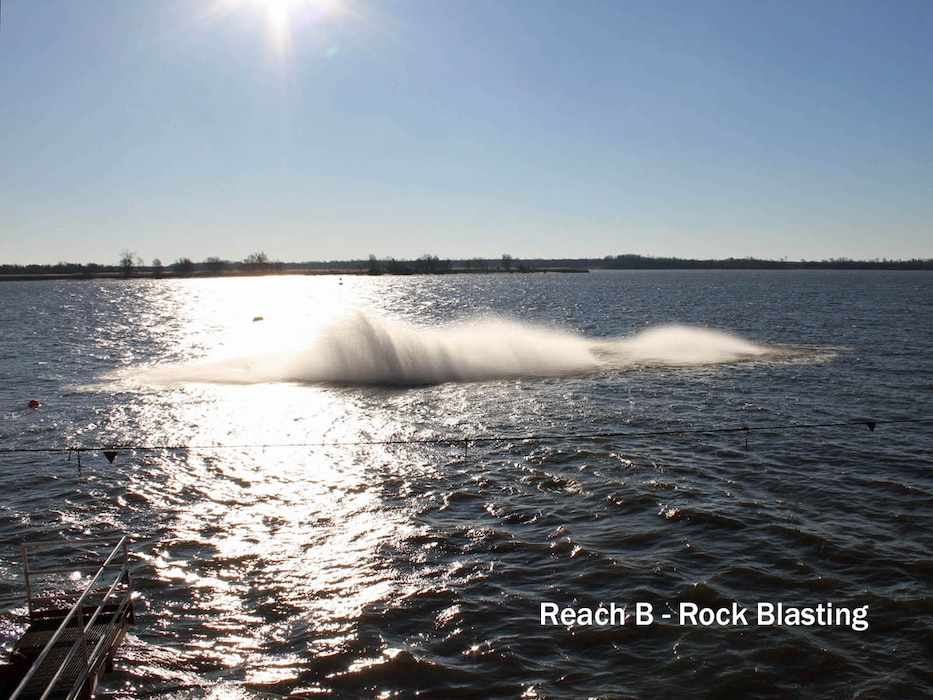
x=105, y=602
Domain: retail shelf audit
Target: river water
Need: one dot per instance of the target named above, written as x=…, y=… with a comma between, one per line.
x=449, y=487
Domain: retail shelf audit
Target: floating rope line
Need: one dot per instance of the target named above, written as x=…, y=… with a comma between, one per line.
x=111, y=451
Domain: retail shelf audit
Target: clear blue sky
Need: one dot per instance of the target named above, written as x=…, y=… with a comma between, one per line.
x=465, y=128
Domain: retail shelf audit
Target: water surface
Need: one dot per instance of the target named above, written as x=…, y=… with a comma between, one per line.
x=371, y=491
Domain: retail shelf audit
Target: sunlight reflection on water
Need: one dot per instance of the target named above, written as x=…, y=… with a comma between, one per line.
x=308, y=524
x=262, y=545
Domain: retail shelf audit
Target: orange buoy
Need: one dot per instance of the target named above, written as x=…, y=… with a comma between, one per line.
x=34, y=404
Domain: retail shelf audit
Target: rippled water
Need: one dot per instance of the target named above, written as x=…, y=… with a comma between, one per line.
x=371, y=491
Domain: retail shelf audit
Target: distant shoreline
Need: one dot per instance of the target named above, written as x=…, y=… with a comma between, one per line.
x=434, y=266
x=145, y=273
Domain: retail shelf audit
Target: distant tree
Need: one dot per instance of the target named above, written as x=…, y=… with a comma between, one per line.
x=157, y=267
x=428, y=264
x=395, y=267
x=127, y=261
x=259, y=259
x=183, y=267
x=374, y=268
x=507, y=262
x=215, y=264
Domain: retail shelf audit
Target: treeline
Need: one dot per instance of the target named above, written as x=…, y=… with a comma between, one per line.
x=432, y=265
x=130, y=265
x=640, y=262
x=259, y=263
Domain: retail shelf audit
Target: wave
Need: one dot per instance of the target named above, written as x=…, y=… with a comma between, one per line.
x=363, y=349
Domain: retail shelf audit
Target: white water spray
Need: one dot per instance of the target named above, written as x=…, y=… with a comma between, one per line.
x=680, y=346
x=362, y=349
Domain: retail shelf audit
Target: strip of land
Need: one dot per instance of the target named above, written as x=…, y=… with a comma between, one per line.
x=433, y=265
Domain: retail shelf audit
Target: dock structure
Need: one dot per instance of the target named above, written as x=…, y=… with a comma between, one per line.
x=78, y=615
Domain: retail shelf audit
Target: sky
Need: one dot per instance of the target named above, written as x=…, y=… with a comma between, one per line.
x=339, y=129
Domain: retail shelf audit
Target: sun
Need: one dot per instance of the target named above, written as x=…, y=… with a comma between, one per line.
x=290, y=24
x=286, y=20
x=280, y=14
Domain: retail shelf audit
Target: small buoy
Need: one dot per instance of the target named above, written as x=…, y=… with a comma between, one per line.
x=110, y=455
x=34, y=404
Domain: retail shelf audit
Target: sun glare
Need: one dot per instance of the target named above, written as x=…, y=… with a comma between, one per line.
x=279, y=12
x=281, y=15
x=288, y=24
